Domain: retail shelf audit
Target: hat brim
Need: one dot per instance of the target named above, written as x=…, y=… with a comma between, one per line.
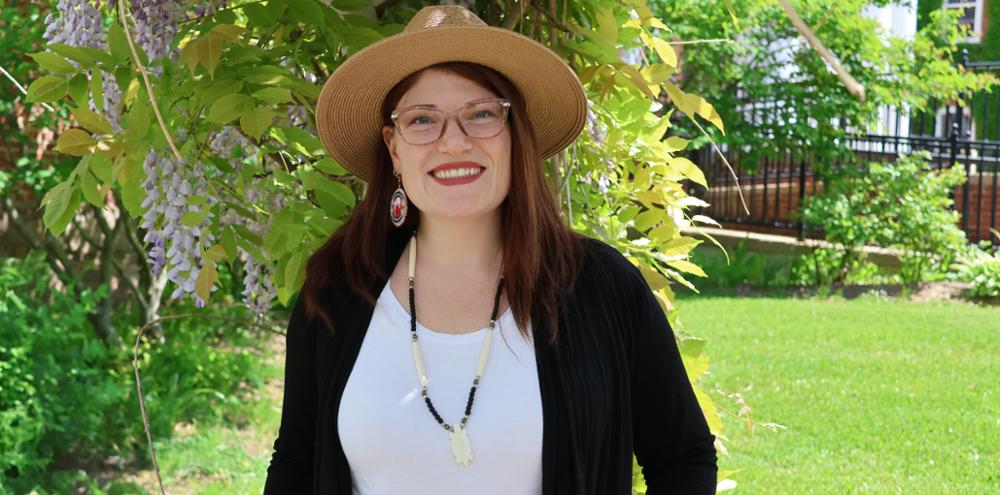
x=348, y=116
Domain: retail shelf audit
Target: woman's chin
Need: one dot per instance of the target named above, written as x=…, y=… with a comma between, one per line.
x=457, y=212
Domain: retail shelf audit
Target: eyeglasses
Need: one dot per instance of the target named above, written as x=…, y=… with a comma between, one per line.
x=423, y=124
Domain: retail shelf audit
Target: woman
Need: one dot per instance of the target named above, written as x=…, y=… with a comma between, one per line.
x=508, y=355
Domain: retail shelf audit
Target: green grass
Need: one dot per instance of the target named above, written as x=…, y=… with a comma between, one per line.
x=223, y=459
x=872, y=395
x=875, y=395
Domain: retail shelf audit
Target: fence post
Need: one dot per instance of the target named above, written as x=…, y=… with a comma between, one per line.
x=802, y=195
x=957, y=131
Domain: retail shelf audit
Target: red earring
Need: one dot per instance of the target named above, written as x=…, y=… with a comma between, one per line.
x=398, y=205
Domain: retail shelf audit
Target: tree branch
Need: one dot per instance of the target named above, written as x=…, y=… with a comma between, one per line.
x=145, y=77
x=56, y=255
x=853, y=86
x=513, y=17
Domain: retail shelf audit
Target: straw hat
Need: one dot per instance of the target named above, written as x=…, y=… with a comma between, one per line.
x=348, y=111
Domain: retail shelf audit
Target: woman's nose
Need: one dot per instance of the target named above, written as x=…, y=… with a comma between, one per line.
x=453, y=140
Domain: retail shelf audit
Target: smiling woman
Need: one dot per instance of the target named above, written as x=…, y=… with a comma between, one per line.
x=450, y=130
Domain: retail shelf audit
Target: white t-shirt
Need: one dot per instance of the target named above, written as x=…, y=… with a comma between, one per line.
x=395, y=446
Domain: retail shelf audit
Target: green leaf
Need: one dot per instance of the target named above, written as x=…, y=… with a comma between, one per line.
x=227, y=32
x=216, y=253
x=73, y=53
x=75, y=142
x=665, y=51
x=303, y=141
x=678, y=245
x=218, y=89
x=97, y=90
x=607, y=25
x=692, y=105
x=295, y=270
x=51, y=62
x=228, y=242
x=688, y=169
x=688, y=267
x=330, y=205
x=100, y=165
x=339, y=190
x=207, y=277
x=273, y=95
x=132, y=191
x=306, y=11
x=330, y=166
x=90, y=190
x=193, y=218
x=245, y=233
x=228, y=108
x=259, y=15
x=209, y=51
x=93, y=121
x=61, y=202
x=649, y=218
x=255, y=120
x=47, y=89
x=117, y=43
x=222, y=164
x=140, y=119
x=78, y=89
x=189, y=55
x=675, y=143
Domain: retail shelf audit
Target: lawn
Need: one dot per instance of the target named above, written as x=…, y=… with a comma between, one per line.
x=874, y=395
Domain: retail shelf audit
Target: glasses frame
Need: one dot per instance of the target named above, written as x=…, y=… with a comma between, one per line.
x=504, y=105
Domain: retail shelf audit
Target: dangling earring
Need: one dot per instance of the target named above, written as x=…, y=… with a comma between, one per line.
x=398, y=204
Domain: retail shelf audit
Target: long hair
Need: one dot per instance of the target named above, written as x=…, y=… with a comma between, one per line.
x=541, y=253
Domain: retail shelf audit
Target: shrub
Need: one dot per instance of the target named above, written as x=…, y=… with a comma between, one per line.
x=64, y=396
x=904, y=205
x=980, y=266
x=54, y=379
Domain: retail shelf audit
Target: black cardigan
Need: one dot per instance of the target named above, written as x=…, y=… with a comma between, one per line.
x=613, y=381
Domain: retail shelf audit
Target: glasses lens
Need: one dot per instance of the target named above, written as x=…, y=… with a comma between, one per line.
x=480, y=120
x=420, y=125
x=483, y=120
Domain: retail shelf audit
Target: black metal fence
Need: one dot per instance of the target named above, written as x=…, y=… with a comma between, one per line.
x=774, y=186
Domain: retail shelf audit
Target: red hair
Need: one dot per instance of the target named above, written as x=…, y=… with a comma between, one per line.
x=541, y=253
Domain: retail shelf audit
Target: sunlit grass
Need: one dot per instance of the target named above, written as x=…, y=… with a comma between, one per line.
x=876, y=396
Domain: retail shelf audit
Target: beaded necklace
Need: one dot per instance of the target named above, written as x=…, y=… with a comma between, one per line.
x=460, y=445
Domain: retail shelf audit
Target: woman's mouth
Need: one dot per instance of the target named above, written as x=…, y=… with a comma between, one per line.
x=454, y=176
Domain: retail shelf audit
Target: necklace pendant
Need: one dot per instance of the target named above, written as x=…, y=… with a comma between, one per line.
x=460, y=445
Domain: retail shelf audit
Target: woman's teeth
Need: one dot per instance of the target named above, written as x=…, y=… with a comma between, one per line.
x=455, y=173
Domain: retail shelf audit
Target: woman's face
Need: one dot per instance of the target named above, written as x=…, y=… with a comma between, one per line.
x=421, y=166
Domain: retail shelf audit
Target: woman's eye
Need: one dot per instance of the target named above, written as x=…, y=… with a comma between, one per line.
x=419, y=120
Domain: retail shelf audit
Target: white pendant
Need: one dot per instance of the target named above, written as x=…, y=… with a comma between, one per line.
x=460, y=445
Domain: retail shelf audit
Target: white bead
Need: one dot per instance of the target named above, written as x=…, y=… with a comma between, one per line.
x=419, y=362
x=484, y=353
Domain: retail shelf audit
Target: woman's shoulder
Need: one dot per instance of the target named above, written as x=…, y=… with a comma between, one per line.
x=603, y=263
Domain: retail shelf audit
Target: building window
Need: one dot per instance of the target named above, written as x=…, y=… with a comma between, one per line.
x=970, y=14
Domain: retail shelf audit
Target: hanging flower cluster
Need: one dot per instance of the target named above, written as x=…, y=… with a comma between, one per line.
x=80, y=24
x=175, y=190
x=258, y=291
x=156, y=25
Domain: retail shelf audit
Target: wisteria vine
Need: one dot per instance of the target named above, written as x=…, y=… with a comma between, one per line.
x=174, y=188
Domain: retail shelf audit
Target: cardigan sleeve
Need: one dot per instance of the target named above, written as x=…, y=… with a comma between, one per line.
x=291, y=467
x=673, y=443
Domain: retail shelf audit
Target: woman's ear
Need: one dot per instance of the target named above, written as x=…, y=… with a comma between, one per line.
x=389, y=136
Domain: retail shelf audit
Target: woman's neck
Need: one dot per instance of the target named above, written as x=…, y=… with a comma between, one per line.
x=468, y=247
